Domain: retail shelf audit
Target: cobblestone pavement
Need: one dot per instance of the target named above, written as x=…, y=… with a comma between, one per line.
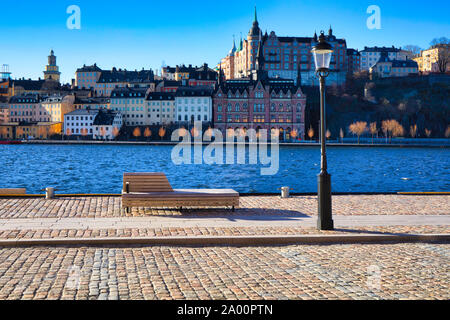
x=253, y=205
x=389, y=271
x=211, y=231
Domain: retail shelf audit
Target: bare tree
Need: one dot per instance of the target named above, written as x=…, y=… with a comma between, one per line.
x=398, y=130
x=137, y=132
x=328, y=134
x=373, y=129
x=358, y=128
x=162, y=132
x=441, y=40
x=427, y=133
x=147, y=133
x=415, y=50
x=341, y=134
x=310, y=133
x=443, y=57
x=392, y=128
x=413, y=131
x=447, y=132
x=443, y=46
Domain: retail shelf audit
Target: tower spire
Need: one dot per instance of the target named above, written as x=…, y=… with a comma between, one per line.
x=256, y=17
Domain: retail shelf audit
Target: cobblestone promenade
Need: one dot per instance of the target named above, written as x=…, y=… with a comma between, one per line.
x=336, y=271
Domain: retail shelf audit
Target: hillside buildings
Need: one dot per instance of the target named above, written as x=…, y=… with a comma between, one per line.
x=283, y=56
x=260, y=102
x=434, y=59
x=371, y=55
x=386, y=67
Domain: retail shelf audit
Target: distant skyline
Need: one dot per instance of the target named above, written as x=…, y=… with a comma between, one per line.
x=142, y=34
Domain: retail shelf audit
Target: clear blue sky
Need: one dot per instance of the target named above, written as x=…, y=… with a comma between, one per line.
x=134, y=34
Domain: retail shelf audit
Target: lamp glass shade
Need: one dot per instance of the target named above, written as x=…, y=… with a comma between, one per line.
x=322, y=58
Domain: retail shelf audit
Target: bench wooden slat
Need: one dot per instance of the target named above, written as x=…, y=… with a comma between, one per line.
x=13, y=191
x=154, y=190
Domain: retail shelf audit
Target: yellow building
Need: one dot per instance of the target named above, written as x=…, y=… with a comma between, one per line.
x=34, y=130
x=428, y=60
x=57, y=106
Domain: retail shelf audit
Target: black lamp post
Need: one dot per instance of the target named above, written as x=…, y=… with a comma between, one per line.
x=322, y=55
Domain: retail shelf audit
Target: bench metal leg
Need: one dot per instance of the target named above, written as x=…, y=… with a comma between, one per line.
x=232, y=209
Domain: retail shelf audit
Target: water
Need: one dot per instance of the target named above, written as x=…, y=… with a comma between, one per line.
x=99, y=169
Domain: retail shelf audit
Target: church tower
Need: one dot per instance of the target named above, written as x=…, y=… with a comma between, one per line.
x=253, y=38
x=52, y=70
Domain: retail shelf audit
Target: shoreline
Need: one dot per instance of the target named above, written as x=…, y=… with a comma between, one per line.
x=283, y=144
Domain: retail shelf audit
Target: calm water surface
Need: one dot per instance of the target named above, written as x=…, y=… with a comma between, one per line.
x=99, y=169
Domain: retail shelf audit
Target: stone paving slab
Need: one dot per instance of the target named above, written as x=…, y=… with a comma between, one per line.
x=214, y=231
x=215, y=222
x=99, y=207
x=388, y=271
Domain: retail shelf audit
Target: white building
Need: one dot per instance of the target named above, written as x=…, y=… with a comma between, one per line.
x=131, y=103
x=160, y=108
x=370, y=56
x=79, y=122
x=107, y=125
x=193, y=104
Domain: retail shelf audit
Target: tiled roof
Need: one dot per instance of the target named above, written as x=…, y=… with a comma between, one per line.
x=380, y=49
x=28, y=84
x=93, y=68
x=29, y=98
x=104, y=118
x=353, y=52
x=114, y=76
x=82, y=112
x=128, y=92
x=91, y=100
x=200, y=91
x=160, y=96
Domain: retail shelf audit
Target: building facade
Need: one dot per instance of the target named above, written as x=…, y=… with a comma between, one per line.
x=260, y=102
x=161, y=108
x=428, y=60
x=79, y=122
x=193, y=104
x=131, y=103
x=283, y=55
x=87, y=76
x=91, y=103
x=353, y=61
x=107, y=125
x=4, y=110
x=370, y=56
x=26, y=108
x=111, y=79
x=29, y=130
x=57, y=106
x=386, y=67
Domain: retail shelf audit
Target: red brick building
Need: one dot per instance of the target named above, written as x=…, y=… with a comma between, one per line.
x=260, y=102
x=283, y=56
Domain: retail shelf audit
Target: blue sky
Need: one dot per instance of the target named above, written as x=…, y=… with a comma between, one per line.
x=135, y=34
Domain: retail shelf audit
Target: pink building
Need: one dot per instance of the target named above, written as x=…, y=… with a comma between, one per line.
x=26, y=108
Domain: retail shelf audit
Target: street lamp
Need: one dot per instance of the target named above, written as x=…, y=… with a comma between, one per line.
x=322, y=56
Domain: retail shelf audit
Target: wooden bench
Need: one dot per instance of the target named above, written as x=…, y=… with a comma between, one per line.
x=153, y=190
x=13, y=191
